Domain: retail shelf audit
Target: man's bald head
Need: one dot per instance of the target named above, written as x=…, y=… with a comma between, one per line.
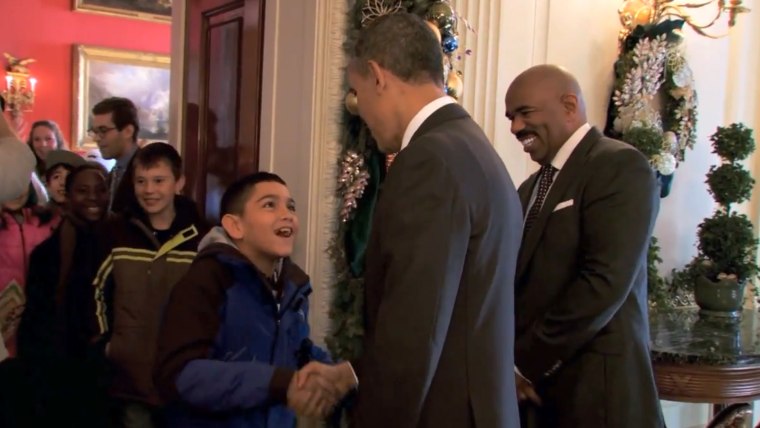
x=545, y=105
x=553, y=79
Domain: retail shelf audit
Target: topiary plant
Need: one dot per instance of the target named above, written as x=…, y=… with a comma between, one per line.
x=727, y=243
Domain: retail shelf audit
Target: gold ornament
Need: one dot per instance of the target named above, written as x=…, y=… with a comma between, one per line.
x=352, y=103
x=455, y=84
x=636, y=12
x=433, y=26
x=443, y=15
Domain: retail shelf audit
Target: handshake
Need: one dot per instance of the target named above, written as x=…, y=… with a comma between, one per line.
x=317, y=388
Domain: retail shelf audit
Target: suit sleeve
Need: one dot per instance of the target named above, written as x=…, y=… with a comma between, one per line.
x=619, y=209
x=423, y=248
x=184, y=370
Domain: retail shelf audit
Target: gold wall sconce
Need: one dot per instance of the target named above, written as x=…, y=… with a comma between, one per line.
x=642, y=12
x=19, y=86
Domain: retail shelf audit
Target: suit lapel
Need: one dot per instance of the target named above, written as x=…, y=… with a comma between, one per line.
x=567, y=175
x=526, y=190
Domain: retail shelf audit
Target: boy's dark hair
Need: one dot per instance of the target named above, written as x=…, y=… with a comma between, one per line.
x=123, y=112
x=89, y=166
x=51, y=171
x=150, y=155
x=403, y=44
x=237, y=194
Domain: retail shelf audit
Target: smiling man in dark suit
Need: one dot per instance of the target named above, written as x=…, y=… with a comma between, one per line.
x=439, y=289
x=582, y=338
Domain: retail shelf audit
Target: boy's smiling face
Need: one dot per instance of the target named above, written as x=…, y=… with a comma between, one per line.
x=267, y=229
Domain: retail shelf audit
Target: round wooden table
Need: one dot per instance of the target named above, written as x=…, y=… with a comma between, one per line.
x=705, y=360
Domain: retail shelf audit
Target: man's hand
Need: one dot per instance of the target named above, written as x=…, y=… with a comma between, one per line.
x=525, y=390
x=314, y=397
x=341, y=376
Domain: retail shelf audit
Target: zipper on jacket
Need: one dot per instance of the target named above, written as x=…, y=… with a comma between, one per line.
x=277, y=319
x=24, y=253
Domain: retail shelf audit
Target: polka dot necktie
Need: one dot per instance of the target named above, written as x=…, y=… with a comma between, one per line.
x=547, y=176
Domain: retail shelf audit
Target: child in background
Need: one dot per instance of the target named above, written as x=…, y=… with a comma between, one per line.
x=53, y=337
x=149, y=247
x=24, y=224
x=61, y=163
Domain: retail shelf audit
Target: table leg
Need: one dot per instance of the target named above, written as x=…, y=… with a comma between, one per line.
x=734, y=416
x=716, y=408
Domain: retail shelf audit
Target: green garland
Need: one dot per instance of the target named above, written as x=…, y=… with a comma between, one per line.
x=651, y=66
x=357, y=190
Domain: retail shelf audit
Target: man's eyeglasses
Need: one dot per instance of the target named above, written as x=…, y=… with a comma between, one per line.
x=100, y=131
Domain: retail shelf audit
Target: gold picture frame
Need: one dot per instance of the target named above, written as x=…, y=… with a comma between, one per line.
x=153, y=10
x=143, y=77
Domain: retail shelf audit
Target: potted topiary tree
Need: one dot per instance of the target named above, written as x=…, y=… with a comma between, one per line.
x=727, y=244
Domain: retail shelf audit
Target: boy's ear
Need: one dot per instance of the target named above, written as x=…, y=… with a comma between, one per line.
x=231, y=225
x=180, y=185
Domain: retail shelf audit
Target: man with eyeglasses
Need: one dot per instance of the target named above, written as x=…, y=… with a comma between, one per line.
x=114, y=128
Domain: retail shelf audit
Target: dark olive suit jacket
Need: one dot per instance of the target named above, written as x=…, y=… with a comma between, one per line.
x=581, y=291
x=439, y=285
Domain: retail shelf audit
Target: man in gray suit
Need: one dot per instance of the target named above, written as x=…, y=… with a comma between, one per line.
x=582, y=338
x=439, y=297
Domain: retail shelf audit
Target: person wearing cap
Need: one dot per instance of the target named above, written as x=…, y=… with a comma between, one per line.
x=16, y=161
x=53, y=334
x=60, y=164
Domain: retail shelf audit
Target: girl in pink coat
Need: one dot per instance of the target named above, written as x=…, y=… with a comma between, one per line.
x=23, y=225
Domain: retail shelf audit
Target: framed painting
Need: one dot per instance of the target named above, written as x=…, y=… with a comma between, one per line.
x=151, y=10
x=142, y=77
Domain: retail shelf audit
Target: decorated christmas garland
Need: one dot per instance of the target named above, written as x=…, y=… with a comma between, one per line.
x=653, y=106
x=362, y=169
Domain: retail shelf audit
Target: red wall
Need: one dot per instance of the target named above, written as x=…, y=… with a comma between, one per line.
x=46, y=30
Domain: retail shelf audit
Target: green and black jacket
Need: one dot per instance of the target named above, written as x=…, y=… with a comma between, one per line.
x=132, y=286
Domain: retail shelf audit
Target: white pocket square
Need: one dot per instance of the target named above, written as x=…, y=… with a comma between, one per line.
x=563, y=205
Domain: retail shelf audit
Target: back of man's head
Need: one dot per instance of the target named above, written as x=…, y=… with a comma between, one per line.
x=403, y=44
x=123, y=113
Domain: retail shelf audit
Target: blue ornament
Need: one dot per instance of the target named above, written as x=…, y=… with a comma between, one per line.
x=450, y=44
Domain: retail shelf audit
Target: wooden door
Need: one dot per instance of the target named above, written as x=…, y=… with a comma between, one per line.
x=222, y=85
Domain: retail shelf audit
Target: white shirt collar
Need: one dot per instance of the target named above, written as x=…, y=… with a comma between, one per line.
x=566, y=150
x=421, y=117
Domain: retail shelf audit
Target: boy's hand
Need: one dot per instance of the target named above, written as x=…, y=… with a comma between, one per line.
x=316, y=397
x=525, y=390
x=341, y=376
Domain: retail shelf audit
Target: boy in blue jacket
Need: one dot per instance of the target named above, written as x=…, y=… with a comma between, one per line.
x=235, y=329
